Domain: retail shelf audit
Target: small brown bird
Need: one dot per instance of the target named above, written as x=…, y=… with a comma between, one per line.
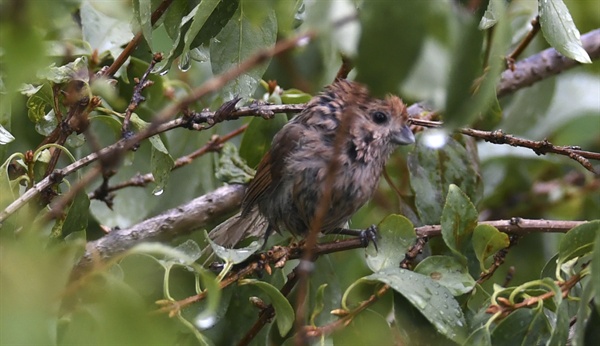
x=291, y=178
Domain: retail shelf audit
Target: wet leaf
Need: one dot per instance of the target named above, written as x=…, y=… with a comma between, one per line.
x=560, y=30
x=433, y=300
x=284, y=313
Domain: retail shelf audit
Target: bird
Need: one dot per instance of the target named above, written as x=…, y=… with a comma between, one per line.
x=342, y=123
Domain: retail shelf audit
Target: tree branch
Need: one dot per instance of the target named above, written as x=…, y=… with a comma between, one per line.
x=544, y=64
x=184, y=219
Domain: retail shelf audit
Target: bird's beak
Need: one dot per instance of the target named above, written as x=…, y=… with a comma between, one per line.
x=403, y=136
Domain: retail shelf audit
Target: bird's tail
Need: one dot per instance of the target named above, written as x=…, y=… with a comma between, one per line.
x=239, y=227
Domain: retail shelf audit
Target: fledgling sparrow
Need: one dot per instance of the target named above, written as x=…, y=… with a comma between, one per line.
x=290, y=179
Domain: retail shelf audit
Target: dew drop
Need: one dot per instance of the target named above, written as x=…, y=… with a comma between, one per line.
x=205, y=322
x=158, y=192
x=185, y=62
x=303, y=41
x=435, y=138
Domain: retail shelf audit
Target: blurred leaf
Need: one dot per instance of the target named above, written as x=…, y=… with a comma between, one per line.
x=465, y=69
x=449, y=272
x=217, y=20
x=38, y=102
x=396, y=234
x=234, y=256
x=294, y=96
x=366, y=328
x=232, y=168
x=434, y=301
x=5, y=136
x=258, y=137
x=142, y=13
x=240, y=39
x=103, y=32
x=319, y=304
x=584, y=314
x=596, y=271
x=202, y=12
x=33, y=281
x=391, y=38
x=412, y=327
x=459, y=219
x=162, y=163
x=284, y=313
x=560, y=331
x=174, y=17
x=472, y=90
x=77, y=216
x=560, y=30
x=522, y=327
x=480, y=337
x=76, y=70
x=487, y=240
x=433, y=170
x=492, y=14
x=578, y=242
x=114, y=124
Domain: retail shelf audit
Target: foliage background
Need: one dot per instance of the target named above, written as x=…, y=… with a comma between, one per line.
x=421, y=51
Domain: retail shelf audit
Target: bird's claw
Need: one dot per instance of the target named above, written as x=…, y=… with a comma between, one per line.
x=369, y=235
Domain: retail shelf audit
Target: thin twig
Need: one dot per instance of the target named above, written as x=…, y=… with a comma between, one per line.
x=513, y=226
x=122, y=58
x=535, y=28
x=215, y=143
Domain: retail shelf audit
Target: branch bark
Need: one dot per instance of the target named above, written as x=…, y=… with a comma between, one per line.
x=181, y=220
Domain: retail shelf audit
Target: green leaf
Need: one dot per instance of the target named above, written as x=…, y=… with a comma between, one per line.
x=389, y=48
x=449, y=272
x=492, y=14
x=560, y=332
x=459, y=219
x=38, y=102
x=174, y=17
x=319, y=304
x=283, y=309
x=234, y=256
x=396, y=234
x=239, y=40
x=103, y=32
x=232, y=168
x=596, y=271
x=560, y=30
x=433, y=170
x=202, y=12
x=522, y=327
x=471, y=89
x=258, y=137
x=142, y=11
x=480, y=337
x=161, y=163
x=294, y=96
x=5, y=136
x=77, y=216
x=367, y=328
x=487, y=240
x=578, y=242
x=179, y=24
x=433, y=300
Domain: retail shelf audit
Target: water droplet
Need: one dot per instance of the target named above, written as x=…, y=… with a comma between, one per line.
x=158, y=192
x=185, y=62
x=419, y=302
x=205, y=322
x=303, y=41
x=435, y=138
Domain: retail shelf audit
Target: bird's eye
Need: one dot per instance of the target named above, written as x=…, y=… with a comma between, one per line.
x=379, y=117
